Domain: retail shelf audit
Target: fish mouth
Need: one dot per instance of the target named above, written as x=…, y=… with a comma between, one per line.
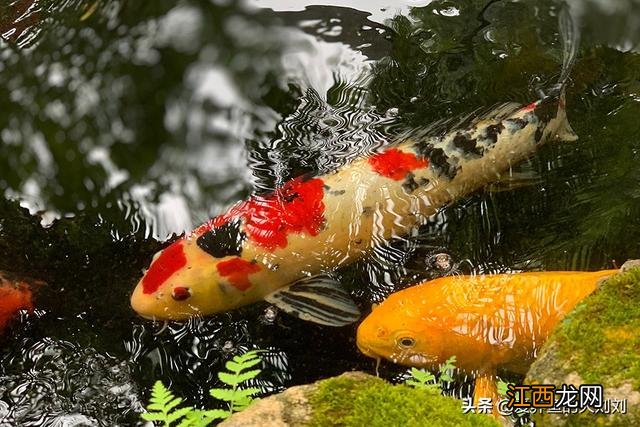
x=414, y=359
x=419, y=359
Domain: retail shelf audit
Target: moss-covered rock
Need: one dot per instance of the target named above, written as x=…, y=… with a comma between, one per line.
x=357, y=399
x=597, y=343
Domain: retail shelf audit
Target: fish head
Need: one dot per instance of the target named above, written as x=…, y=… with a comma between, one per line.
x=396, y=330
x=183, y=281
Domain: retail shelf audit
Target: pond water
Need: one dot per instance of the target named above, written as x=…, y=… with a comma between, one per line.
x=123, y=124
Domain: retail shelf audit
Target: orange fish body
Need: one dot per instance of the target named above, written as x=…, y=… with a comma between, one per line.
x=486, y=321
x=15, y=295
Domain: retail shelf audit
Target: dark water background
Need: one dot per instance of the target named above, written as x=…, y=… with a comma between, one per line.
x=123, y=122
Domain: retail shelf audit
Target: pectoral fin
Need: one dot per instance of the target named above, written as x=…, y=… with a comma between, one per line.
x=319, y=299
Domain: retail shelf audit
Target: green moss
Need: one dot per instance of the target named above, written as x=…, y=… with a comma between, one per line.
x=597, y=343
x=374, y=402
x=601, y=338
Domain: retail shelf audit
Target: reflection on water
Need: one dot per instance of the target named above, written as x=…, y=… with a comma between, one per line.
x=129, y=122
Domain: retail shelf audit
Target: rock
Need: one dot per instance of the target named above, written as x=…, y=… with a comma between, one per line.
x=356, y=399
x=597, y=343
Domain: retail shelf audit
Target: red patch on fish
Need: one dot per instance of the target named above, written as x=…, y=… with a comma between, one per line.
x=530, y=107
x=170, y=260
x=12, y=299
x=237, y=271
x=396, y=164
x=296, y=207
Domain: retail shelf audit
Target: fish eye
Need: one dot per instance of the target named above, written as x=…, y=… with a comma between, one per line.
x=406, y=342
x=180, y=293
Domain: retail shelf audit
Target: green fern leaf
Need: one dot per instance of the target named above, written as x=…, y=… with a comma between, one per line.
x=229, y=379
x=178, y=413
x=247, y=392
x=446, y=369
x=172, y=404
x=163, y=406
x=246, y=376
x=215, y=414
x=153, y=416
x=422, y=375
x=502, y=387
x=248, y=357
x=241, y=404
x=235, y=366
x=222, y=394
x=449, y=364
x=202, y=418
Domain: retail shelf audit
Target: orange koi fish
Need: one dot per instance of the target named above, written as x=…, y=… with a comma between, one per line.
x=487, y=322
x=15, y=295
x=279, y=247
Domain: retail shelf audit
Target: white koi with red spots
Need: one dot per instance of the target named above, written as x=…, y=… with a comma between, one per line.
x=271, y=247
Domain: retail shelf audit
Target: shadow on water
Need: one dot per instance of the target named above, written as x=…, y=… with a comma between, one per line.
x=123, y=123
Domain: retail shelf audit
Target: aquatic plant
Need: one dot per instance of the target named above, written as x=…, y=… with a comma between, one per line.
x=502, y=387
x=425, y=380
x=164, y=405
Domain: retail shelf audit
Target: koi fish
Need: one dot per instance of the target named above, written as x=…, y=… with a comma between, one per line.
x=15, y=295
x=281, y=246
x=487, y=322
x=273, y=247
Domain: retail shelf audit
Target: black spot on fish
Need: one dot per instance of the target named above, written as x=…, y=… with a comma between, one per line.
x=223, y=241
x=410, y=183
x=467, y=144
x=546, y=109
x=437, y=159
x=423, y=181
x=518, y=123
x=337, y=192
x=492, y=132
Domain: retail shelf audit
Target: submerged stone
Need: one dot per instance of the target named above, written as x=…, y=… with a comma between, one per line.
x=597, y=343
x=357, y=399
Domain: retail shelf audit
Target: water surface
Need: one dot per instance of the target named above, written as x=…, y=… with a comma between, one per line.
x=123, y=124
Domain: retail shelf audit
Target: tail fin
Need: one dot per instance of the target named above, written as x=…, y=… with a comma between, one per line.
x=570, y=38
